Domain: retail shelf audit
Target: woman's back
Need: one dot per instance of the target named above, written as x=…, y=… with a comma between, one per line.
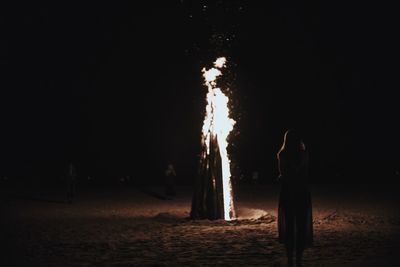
x=293, y=167
x=295, y=208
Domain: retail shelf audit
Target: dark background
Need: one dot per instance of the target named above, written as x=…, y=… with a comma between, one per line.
x=117, y=89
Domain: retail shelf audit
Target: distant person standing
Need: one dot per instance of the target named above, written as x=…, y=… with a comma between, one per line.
x=254, y=177
x=170, y=175
x=295, y=210
x=71, y=182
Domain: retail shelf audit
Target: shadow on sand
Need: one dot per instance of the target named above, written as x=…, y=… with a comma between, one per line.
x=153, y=193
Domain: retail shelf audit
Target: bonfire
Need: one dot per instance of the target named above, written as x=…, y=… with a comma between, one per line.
x=213, y=197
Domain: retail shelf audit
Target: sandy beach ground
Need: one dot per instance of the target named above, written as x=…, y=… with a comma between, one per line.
x=137, y=226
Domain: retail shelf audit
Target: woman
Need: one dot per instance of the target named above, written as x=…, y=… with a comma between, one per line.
x=295, y=210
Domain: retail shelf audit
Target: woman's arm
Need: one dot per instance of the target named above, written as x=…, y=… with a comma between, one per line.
x=279, y=165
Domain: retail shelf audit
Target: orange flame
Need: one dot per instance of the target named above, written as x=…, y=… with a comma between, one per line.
x=218, y=124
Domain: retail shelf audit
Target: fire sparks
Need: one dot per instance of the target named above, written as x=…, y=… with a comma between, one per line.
x=218, y=124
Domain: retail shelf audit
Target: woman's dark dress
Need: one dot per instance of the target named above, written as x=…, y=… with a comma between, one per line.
x=295, y=210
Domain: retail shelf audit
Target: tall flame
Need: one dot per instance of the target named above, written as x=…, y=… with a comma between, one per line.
x=218, y=124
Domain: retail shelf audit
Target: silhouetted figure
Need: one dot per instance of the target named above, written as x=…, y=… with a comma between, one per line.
x=295, y=210
x=71, y=182
x=170, y=175
x=254, y=177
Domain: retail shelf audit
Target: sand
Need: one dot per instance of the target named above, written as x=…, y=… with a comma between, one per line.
x=353, y=226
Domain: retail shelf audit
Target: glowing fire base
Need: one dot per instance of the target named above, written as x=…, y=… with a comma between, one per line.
x=208, y=199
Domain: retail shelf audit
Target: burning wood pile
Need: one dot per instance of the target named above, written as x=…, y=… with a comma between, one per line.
x=213, y=197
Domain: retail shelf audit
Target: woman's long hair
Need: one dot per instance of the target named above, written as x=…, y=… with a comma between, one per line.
x=292, y=145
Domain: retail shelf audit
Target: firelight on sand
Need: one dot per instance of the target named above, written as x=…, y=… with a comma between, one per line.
x=218, y=124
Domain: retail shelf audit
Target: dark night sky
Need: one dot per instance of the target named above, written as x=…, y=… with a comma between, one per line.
x=118, y=88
